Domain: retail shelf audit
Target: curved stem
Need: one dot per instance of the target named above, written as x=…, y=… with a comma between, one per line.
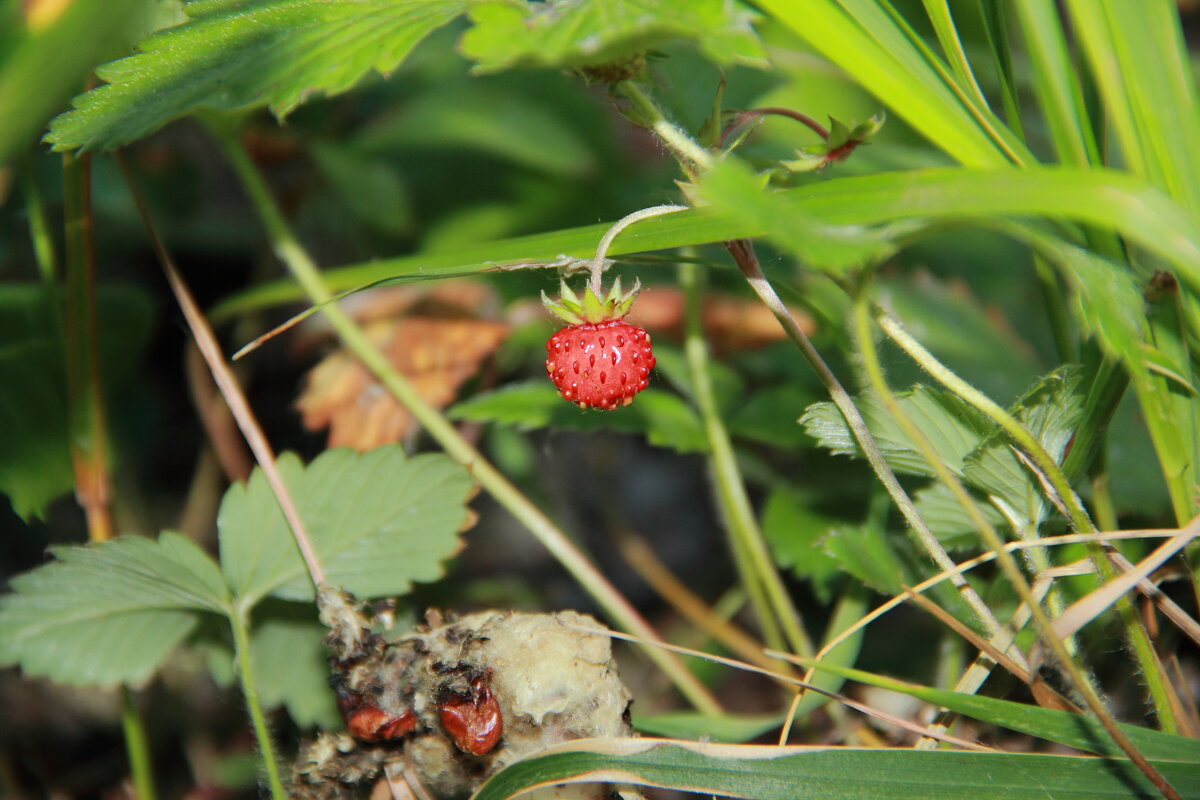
x=241, y=643
x=754, y=113
x=599, y=262
x=758, y=572
x=446, y=435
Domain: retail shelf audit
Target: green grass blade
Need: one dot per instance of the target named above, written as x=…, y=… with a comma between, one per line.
x=1144, y=75
x=947, y=33
x=860, y=37
x=996, y=29
x=825, y=773
x=1055, y=82
x=1063, y=727
x=1104, y=198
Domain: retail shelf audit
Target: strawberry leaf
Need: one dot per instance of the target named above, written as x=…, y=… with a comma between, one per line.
x=570, y=33
x=108, y=613
x=378, y=521
x=233, y=56
x=952, y=427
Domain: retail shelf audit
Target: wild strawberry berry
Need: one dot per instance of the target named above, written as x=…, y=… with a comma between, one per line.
x=598, y=361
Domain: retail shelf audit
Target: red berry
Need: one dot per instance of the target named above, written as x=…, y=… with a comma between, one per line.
x=473, y=720
x=599, y=364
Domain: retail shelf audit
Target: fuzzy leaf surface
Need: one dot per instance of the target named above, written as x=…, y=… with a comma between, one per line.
x=582, y=32
x=952, y=427
x=108, y=613
x=1050, y=411
x=232, y=56
x=378, y=521
x=664, y=419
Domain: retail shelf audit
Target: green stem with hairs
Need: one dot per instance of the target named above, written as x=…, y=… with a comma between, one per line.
x=241, y=642
x=773, y=606
x=137, y=747
x=306, y=273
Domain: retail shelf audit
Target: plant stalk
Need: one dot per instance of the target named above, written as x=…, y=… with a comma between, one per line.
x=86, y=421
x=137, y=747
x=241, y=642
x=446, y=435
x=758, y=570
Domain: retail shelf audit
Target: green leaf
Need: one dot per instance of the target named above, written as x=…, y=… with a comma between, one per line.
x=794, y=530
x=664, y=419
x=377, y=520
x=948, y=521
x=1075, y=730
x=823, y=772
x=864, y=552
x=575, y=34
x=235, y=56
x=108, y=613
x=290, y=664
x=1050, y=411
x=35, y=463
x=952, y=427
x=769, y=415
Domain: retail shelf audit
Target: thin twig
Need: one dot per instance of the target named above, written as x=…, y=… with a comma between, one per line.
x=206, y=341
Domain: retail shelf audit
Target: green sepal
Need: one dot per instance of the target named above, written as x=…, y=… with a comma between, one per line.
x=594, y=309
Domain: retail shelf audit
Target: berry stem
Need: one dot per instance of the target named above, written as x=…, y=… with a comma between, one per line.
x=446, y=435
x=599, y=262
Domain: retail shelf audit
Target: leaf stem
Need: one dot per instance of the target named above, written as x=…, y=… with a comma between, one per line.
x=137, y=747
x=773, y=606
x=86, y=423
x=241, y=642
x=682, y=146
x=445, y=434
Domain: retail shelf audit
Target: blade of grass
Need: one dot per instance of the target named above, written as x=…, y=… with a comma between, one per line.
x=947, y=34
x=861, y=38
x=996, y=29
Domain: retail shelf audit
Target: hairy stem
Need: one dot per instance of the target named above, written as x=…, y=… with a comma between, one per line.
x=505, y=493
x=137, y=747
x=245, y=662
x=758, y=571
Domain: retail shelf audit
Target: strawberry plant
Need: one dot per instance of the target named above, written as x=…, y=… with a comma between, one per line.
x=902, y=504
